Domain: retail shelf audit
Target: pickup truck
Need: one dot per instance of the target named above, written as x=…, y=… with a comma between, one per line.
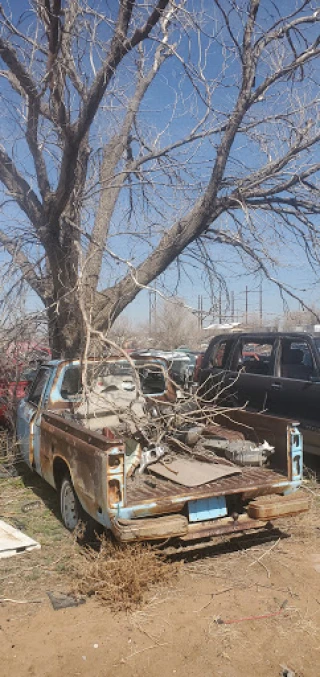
x=94, y=462
x=274, y=373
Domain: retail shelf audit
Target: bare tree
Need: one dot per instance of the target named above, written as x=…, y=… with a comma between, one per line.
x=176, y=326
x=139, y=134
x=299, y=318
x=123, y=333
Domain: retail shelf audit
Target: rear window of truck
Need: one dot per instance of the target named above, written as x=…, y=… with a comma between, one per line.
x=254, y=357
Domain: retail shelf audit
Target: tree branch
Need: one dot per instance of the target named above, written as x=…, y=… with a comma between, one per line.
x=27, y=268
x=20, y=189
x=206, y=209
x=9, y=56
x=119, y=47
x=300, y=61
x=276, y=34
x=20, y=78
x=272, y=169
x=112, y=183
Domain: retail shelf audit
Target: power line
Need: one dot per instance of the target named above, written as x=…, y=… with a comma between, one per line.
x=231, y=310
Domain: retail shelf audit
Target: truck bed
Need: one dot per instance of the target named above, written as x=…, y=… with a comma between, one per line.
x=149, y=488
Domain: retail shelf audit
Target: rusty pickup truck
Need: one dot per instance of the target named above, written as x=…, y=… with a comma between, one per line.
x=94, y=460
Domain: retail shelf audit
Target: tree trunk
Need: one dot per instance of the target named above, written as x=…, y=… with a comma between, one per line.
x=66, y=329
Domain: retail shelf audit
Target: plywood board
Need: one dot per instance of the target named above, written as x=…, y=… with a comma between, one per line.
x=14, y=542
x=193, y=473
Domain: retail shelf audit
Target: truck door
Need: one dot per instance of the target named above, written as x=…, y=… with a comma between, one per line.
x=215, y=368
x=295, y=389
x=251, y=371
x=29, y=417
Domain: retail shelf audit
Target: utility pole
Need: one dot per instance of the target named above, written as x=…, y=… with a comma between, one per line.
x=155, y=307
x=152, y=310
x=260, y=304
x=232, y=306
x=246, y=305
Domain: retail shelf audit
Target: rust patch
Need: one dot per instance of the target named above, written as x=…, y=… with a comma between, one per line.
x=114, y=492
x=115, y=461
x=225, y=433
x=220, y=527
x=169, y=526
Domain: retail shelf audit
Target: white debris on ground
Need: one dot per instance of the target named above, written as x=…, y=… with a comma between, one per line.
x=14, y=542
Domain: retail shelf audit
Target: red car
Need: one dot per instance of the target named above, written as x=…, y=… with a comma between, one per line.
x=10, y=392
x=15, y=379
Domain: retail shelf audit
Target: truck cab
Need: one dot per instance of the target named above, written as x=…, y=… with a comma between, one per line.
x=274, y=373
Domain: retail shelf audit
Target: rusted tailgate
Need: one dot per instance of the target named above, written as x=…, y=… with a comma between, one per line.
x=259, y=515
x=252, y=481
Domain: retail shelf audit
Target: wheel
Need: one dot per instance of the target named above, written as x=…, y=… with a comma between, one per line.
x=72, y=512
x=69, y=504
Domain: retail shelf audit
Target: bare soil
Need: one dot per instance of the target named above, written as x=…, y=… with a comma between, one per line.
x=195, y=624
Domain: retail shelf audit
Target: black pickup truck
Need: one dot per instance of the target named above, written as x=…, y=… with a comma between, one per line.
x=277, y=373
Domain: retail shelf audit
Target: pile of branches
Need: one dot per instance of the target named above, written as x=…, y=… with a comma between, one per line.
x=177, y=424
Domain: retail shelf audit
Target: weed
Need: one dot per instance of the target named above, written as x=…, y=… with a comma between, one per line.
x=120, y=575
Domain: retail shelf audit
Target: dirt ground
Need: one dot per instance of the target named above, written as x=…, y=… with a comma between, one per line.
x=196, y=625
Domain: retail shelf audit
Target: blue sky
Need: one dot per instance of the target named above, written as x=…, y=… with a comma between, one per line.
x=156, y=110
x=273, y=304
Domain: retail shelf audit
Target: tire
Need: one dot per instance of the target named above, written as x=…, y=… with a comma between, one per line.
x=70, y=508
x=72, y=512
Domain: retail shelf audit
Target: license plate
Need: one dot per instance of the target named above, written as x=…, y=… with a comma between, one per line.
x=207, y=508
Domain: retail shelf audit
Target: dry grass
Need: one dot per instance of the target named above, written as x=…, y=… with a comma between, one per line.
x=29, y=504
x=4, y=443
x=120, y=575
x=305, y=528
